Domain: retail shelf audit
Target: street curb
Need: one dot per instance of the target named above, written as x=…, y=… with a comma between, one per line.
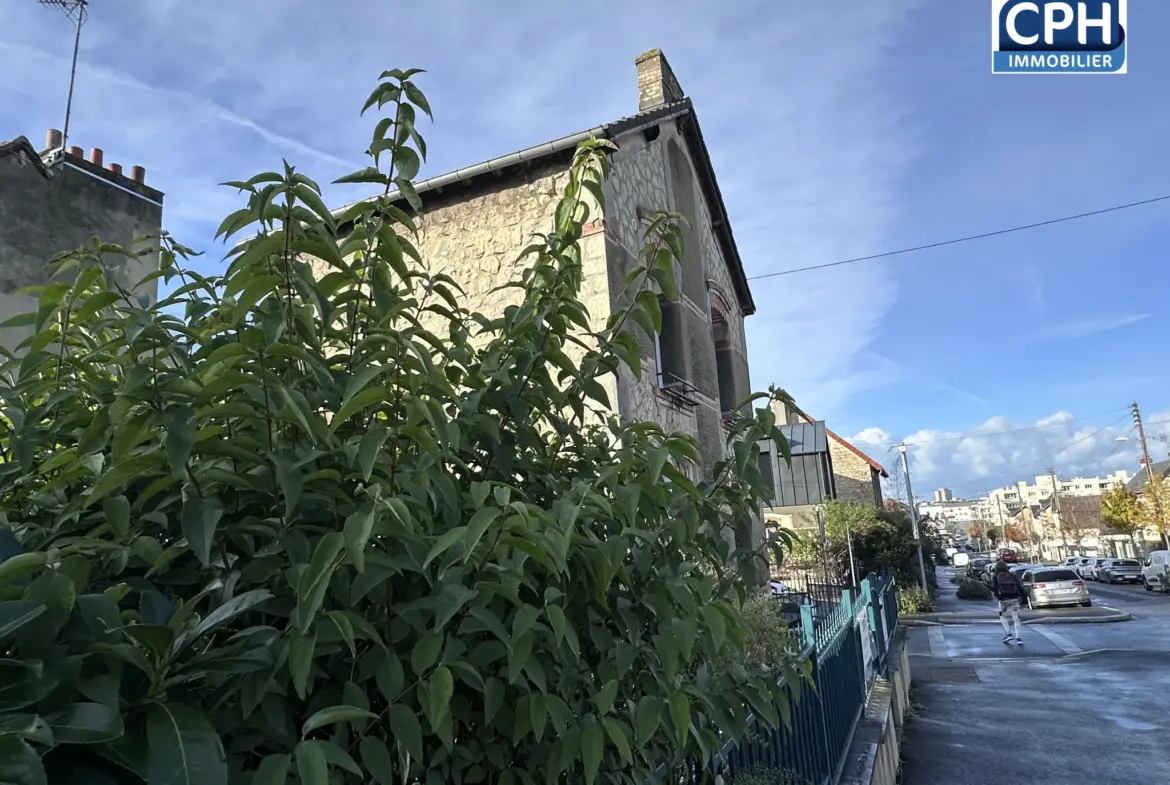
x=1116, y=616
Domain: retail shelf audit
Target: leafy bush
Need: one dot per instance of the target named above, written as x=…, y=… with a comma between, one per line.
x=971, y=589
x=341, y=529
x=758, y=774
x=914, y=599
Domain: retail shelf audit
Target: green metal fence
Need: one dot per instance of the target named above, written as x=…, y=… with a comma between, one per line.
x=847, y=649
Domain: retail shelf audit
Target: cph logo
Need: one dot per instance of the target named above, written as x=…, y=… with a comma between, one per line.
x=1058, y=37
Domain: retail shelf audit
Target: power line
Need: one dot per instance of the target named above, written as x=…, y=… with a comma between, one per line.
x=958, y=240
x=1015, y=430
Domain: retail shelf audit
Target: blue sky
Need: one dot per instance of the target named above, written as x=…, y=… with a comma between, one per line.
x=838, y=129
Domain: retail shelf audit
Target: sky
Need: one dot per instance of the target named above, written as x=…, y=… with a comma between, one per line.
x=838, y=129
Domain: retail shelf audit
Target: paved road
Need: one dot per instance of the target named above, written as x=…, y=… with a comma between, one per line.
x=1075, y=703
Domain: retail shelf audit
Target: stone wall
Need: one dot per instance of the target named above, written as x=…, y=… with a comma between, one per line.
x=853, y=475
x=44, y=216
x=644, y=181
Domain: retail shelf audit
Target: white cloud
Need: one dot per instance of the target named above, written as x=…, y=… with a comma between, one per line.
x=1000, y=451
x=1086, y=328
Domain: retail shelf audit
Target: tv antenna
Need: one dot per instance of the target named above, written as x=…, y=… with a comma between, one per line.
x=77, y=12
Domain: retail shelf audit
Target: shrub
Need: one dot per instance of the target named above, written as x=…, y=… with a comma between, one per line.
x=914, y=599
x=971, y=589
x=956, y=578
x=341, y=526
x=758, y=774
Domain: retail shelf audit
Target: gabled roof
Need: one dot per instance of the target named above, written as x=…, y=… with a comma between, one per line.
x=681, y=111
x=1142, y=478
x=23, y=147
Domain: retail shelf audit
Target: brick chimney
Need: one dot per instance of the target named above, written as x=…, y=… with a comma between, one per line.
x=656, y=83
x=52, y=139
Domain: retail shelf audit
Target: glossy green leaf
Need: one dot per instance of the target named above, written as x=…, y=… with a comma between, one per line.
x=648, y=717
x=376, y=758
x=440, y=688
x=300, y=659
x=84, y=723
x=592, y=746
x=369, y=448
x=184, y=748
x=17, y=613
x=335, y=714
x=19, y=763
x=314, y=581
x=444, y=543
x=273, y=770
x=426, y=651
x=200, y=518
x=312, y=765
x=117, y=512
x=358, y=528
x=407, y=731
x=680, y=715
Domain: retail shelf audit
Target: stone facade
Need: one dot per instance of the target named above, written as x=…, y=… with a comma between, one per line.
x=474, y=230
x=658, y=174
x=855, y=479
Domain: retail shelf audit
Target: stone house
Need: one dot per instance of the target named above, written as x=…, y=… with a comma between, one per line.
x=475, y=221
x=55, y=200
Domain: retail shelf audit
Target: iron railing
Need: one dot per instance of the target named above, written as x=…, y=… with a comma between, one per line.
x=847, y=648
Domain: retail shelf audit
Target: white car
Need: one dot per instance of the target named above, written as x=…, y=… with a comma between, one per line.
x=1156, y=571
x=1084, y=567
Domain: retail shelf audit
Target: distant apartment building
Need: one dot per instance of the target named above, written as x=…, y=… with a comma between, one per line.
x=1002, y=505
x=1011, y=498
x=55, y=200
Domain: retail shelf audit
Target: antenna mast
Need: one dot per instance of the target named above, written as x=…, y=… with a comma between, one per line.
x=77, y=12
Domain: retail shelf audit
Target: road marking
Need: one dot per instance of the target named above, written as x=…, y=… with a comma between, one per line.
x=938, y=644
x=1062, y=643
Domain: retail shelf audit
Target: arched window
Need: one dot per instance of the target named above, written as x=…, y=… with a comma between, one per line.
x=719, y=313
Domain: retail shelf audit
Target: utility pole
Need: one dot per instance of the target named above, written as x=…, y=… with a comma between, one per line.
x=1056, y=508
x=1137, y=418
x=913, y=515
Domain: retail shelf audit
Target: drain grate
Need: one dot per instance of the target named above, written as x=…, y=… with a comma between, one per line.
x=954, y=675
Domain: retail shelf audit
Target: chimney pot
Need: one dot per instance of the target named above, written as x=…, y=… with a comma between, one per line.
x=138, y=174
x=76, y=151
x=95, y=156
x=115, y=168
x=657, y=84
x=52, y=139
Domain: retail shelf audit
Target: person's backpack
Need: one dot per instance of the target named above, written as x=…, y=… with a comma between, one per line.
x=1006, y=587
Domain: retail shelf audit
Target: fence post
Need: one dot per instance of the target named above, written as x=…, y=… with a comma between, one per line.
x=806, y=623
x=877, y=619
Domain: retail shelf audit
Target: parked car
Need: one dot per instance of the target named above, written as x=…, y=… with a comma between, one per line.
x=1120, y=571
x=987, y=575
x=1071, y=561
x=1007, y=555
x=1092, y=567
x=961, y=559
x=1155, y=568
x=975, y=567
x=1081, y=567
x=1054, y=587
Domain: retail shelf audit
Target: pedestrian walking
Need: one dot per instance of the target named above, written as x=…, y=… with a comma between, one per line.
x=1008, y=591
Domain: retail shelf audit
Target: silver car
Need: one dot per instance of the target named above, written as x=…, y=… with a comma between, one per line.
x=1120, y=571
x=1054, y=587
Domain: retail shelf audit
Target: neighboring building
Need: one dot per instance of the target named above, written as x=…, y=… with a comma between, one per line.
x=944, y=495
x=1142, y=478
x=475, y=221
x=1012, y=497
x=824, y=466
x=952, y=515
x=56, y=200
